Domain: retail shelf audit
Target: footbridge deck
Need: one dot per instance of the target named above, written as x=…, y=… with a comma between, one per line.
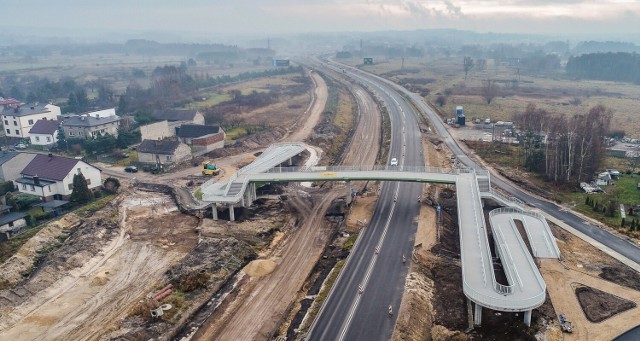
x=525, y=289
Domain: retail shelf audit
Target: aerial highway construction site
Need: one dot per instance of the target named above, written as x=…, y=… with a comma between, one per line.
x=298, y=237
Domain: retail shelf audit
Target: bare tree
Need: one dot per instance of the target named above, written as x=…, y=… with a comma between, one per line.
x=489, y=90
x=441, y=100
x=468, y=65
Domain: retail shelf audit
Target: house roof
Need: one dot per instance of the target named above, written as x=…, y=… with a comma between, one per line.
x=158, y=147
x=25, y=110
x=11, y=216
x=50, y=168
x=195, y=130
x=175, y=115
x=44, y=127
x=88, y=121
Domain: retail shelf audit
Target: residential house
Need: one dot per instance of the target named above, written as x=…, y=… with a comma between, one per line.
x=164, y=152
x=12, y=163
x=203, y=139
x=88, y=126
x=101, y=113
x=44, y=133
x=181, y=116
x=19, y=119
x=157, y=131
x=11, y=223
x=51, y=177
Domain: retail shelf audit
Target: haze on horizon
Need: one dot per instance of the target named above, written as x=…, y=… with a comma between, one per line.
x=250, y=17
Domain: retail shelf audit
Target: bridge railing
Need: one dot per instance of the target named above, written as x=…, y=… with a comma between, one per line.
x=550, y=244
x=414, y=169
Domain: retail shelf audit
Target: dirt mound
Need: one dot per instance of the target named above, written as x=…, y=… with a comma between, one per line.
x=15, y=267
x=621, y=275
x=599, y=305
x=260, y=267
x=416, y=315
x=251, y=142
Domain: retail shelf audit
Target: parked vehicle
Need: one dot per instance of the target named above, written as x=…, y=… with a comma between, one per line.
x=131, y=169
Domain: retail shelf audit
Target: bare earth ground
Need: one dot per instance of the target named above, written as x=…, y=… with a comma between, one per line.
x=292, y=259
x=262, y=302
x=79, y=306
x=582, y=264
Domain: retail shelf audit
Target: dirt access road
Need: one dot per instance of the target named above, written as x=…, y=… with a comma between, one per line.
x=84, y=303
x=260, y=306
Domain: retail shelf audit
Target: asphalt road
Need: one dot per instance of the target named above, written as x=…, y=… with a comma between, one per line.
x=615, y=243
x=347, y=314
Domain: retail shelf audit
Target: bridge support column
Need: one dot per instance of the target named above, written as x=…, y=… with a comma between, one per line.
x=477, y=316
x=348, y=192
x=252, y=191
x=214, y=212
x=290, y=161
x=527, y=318
x=231, y=213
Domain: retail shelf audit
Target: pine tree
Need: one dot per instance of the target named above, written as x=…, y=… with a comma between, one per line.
x=62, y=141
x=81, y=193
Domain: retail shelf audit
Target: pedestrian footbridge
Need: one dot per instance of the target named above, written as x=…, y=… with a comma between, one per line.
x=521, y=291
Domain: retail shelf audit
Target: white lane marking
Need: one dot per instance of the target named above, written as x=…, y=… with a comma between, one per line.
x=372, y=263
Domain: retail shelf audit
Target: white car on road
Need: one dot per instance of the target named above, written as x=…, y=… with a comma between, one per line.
x=394, y=162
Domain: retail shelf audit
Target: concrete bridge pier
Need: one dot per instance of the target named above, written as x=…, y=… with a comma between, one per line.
x=348, y=192
x=231, y=213
x=477, y=316
x=214, y=212
x=527, y=318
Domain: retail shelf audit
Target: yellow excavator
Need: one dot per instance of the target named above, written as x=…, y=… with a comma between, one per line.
x=210, y=168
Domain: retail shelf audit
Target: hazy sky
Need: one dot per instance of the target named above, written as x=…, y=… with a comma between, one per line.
x=292, y=16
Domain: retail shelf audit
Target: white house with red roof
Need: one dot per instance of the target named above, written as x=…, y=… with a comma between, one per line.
x=51, y=177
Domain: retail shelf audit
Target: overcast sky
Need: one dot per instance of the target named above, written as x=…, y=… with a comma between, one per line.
x=230, y=17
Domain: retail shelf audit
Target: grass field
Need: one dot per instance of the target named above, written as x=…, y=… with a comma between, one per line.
x=624, y=192
x=554, y=93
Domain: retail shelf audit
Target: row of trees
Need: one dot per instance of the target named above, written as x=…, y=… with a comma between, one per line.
x=172, y=86
x=621, y=66
x=564, y=149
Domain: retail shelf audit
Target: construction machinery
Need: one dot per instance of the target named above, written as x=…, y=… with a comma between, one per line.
x=210, y=168
x=565, y=324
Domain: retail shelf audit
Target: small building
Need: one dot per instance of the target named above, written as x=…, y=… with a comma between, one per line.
x=157, y=131
x=12, y=163
x=19, y=119
x=163, y=152
x=177, y=117
x=11, y=223
x=202, y=139
x=87, y=126
x=51, y=177
x=44, y=133
x=187, y=133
